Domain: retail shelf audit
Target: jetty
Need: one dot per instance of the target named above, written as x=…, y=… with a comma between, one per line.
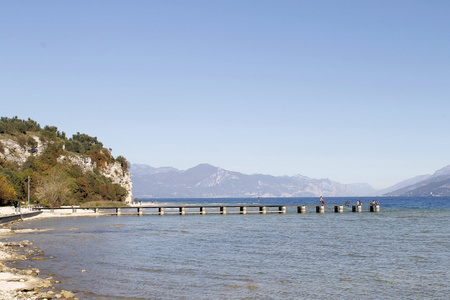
x=20, y=216
x=201, y=209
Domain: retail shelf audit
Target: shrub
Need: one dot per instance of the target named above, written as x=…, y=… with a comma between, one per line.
x=7, y=192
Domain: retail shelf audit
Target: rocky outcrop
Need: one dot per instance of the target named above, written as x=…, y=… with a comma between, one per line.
x=13, y=151
x=17, y=153
x=84, y=162
x=119, y=176
x=113, y=171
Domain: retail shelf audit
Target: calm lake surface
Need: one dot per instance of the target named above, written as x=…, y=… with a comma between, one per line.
x=402, y=252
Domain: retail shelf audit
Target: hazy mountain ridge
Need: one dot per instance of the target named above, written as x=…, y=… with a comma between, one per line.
x=437, y=184
x=205, y=180
x=403, y=184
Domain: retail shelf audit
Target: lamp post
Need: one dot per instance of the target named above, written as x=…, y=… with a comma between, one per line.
x=29, y=179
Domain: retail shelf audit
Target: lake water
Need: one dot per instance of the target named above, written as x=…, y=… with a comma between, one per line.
x=402, y=252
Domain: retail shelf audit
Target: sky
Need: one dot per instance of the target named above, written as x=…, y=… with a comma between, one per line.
x=354, y=91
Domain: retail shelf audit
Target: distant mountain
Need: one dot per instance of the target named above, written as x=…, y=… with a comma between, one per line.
x=205, y=180
x=437, y=184
x=403, y=184
x=140, y=169
x=362, y=189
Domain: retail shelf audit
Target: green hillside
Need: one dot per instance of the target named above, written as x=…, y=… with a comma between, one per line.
x=53, y=182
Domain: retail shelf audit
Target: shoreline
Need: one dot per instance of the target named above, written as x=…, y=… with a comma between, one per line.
x=21, y=284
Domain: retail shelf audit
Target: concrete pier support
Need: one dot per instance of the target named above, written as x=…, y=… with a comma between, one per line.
x=182, y=211
x=203, y=210
x=223, y=210
x=301, y=209
x=320, y=209
x=374, y=208
x=339, y=208
x=118, y=211
x=282, y=209
x=262, y=210
x=356, y=208
x=243, y=210
x=161, y=211
x=140, y=212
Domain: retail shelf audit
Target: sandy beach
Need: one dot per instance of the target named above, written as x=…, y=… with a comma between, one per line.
x=18, y=284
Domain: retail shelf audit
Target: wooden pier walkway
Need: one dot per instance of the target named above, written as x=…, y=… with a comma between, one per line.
x=221, y=209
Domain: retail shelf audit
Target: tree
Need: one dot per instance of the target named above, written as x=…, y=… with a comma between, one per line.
x=123, y=162
x=50, y=132
x=7, y=192
x=54, y=189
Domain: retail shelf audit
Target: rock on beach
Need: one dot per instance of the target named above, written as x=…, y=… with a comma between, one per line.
x=18, y=284
x=15, y=283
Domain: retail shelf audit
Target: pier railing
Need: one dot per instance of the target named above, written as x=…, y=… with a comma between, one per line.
x=219, y=209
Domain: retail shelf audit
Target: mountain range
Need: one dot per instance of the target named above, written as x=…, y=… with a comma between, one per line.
x=206, y=180
x=436, y=184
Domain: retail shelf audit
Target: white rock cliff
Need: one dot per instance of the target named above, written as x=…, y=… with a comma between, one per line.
x=14, y=152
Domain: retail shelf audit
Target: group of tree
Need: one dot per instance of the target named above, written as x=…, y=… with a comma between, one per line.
x=54, y=183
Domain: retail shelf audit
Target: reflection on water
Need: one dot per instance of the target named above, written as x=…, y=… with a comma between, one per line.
x=400, y=252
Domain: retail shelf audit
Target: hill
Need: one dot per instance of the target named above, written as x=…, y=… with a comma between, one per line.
x=63, y=171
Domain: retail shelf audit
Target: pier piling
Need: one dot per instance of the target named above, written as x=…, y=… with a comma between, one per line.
x=301, y=209
x=320, y=209
x=356, y=208
x=374, y=208
x=339, y=208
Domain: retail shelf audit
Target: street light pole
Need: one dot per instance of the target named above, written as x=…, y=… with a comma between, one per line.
x=29, y=179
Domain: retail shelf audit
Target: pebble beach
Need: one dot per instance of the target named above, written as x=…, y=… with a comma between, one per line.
x=18, y=284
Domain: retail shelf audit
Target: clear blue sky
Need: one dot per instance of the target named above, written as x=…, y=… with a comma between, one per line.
x=354, y=91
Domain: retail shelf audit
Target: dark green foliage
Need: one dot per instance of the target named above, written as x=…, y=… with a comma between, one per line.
x=75, y=146
x=82, y=143
x=123, y=162
x=61, y=135
x=50, y=133
x=71, y=185
x=16, y=125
